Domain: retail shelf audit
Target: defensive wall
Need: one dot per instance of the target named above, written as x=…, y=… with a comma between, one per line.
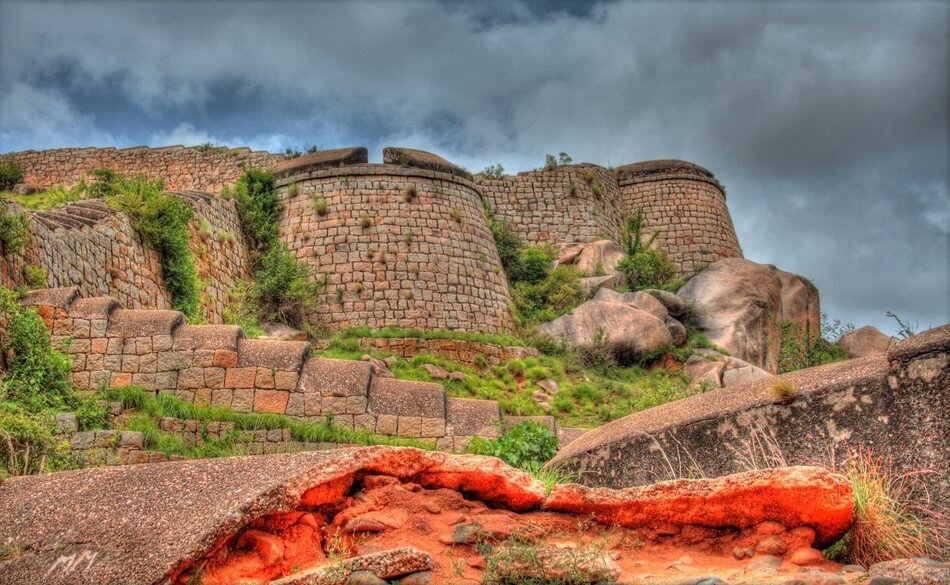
x=404, y=243
x=585, y=202
x=401, y=243
x=193, y=168
x=217, y=365
x=92, y=246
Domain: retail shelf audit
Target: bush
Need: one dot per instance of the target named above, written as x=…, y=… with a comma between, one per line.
x=104, y=183
x=527, y=446
x=534, y=264
x=283, y=290
x=558, y=293
x=13, y=229
x=10, y=172
x=644, y=267
x=162, y=221
x=34, y=276
x=800, y=350
x=259, y=207
x=509, y=245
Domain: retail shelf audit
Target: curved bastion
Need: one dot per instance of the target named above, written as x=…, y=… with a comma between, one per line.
x=404, y=243
x=687, y=205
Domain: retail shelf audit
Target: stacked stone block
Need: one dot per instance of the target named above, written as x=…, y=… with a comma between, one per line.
x=688, y=207
x=398, y=245
x=570, y=203
x=204, y=169
x=92, y=246
x=218, y=365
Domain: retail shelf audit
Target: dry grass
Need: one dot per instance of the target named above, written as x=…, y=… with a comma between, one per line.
x=783, y=390
x=891, y=522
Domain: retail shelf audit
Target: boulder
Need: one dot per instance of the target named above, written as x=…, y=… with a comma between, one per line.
x=566, y=253
x=733, y=376
x=602, y=255
x=920, y=571
x=628, y=332
x=677, y=331
x=675, y=305
x=741, y=305
x=865, y=341
x=282, y=332
x=638, y=300
x=592, y=284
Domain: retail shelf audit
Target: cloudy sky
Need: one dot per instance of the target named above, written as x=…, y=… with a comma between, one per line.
x=828, y=123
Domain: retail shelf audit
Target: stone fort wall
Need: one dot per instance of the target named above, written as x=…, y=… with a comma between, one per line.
x=583, y=203
x=198, y=168
x=687, y=205
x=95, y=248
x=399, y=245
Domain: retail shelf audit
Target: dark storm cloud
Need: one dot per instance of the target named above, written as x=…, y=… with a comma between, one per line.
x=828, y=122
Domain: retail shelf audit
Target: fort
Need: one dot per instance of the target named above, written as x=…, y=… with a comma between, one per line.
x=404, y=243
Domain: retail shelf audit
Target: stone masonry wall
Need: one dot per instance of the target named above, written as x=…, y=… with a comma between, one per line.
x=558, y=205
x=92, y=246
x=399, y=245
x=216, y=365
x=204, y=169
x=688, y=207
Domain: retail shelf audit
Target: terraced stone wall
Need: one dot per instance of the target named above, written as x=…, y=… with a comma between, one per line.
x=399, y=245
x=204, y=169
x=217, y=365
x=89, y=245
x=687, y=205
x=572, y=203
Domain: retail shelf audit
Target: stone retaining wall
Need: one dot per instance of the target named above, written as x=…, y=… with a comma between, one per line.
x=92, y=246
x=204, y=169
x=399, y=246
x=216, y=365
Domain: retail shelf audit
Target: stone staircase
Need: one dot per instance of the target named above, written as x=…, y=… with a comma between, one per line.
x=76, y=215
x=217, y=365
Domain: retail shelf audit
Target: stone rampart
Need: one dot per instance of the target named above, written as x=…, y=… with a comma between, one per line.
x=200, y=168
x=687, y=205
x=571, y=203
x=457, y=350
x=399, y=246
x=94, y=247
x=217, y=365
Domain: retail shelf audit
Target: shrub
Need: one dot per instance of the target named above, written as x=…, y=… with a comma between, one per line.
x=320, y=205
x=527, y=446
x=888, y=524
x=13, y=229
x=644, y=267
x=104, y=183
x=283, y=290
x=783, y=390
x=559, y=292
x=552, y=162
x=10, y=172
x=259, y=207
x=34, y=276
x=800, y=350
x=495, y=171
x=162, y=221
x=509, y=245
x=534, y=264
x=366, y=221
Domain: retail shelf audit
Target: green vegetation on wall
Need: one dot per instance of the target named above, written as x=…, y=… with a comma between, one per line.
x=13, y=229
x=10, y=172
x=282, y=289
x=162, y=220
x=644, y=267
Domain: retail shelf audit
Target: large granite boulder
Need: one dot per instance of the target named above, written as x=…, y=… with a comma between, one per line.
x=628, y=332
x=598, y=258
x=741, y=306
x=867, y=340
x=721, y=371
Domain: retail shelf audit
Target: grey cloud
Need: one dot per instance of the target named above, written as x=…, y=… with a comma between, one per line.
x=828, y=123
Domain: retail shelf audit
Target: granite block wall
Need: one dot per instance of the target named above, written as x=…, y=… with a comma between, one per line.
x=398, y=245
x=204, y=169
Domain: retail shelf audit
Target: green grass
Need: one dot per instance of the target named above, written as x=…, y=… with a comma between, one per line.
x=587, y=397
x=396, y=332
x=45, y=199
x=151, y=407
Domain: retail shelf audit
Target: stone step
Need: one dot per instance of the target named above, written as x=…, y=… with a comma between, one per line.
x=66, y=219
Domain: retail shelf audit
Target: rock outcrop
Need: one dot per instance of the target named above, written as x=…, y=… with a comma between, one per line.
x=865, y=341
x=741, y=305
x=294, y=518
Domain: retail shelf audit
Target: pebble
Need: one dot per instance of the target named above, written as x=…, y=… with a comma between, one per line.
x=773, y=545
x=364, y=578
x=362, y=524
x=431, y=507
x=466, y=533
x=742, y=552
x=806, y=556
x=420, y=578
x=765, y=562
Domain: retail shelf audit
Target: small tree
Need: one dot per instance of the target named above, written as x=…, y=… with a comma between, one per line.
x=643, y=267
